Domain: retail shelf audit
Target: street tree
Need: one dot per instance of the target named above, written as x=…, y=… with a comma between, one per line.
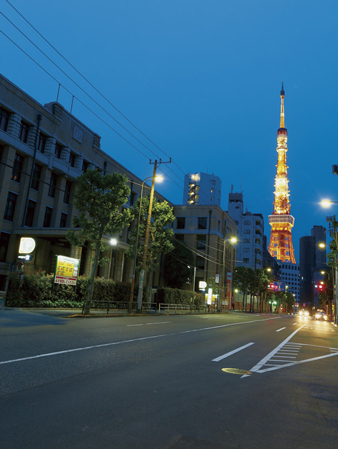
x=177, y=266
x=98, y=200
x=160, y=234
x=241, y=282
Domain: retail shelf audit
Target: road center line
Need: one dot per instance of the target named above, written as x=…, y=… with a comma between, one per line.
x=221, y=357
x=281, y=329
x=50, y=354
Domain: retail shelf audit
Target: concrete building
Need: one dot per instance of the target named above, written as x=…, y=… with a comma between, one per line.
x=289, y=273
x=43, y=149
x=202, y=189
x=312, y=263
x=250, y=233
x=207, y=230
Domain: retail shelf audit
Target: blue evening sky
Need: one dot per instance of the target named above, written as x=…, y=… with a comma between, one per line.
x=202, y=80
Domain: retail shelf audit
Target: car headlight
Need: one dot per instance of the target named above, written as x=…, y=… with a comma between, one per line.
x=325, y=317
x=316, y=316
x=306, y=313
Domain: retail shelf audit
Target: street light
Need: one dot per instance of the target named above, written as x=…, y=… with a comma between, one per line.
x=158, y=178
x=146, y=240
x=193, y=284
x=233, y=240
x=327, y=203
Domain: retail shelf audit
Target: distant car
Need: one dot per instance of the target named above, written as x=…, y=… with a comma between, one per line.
x=321, y=316
x=303, y=313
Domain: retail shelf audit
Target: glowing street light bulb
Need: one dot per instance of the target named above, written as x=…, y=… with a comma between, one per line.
x=159, y=178
x=321, y=245
x=326, y=203
x=233, y=240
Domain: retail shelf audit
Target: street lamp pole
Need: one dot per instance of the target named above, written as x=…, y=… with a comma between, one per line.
x=131, y=299
x=145, y=251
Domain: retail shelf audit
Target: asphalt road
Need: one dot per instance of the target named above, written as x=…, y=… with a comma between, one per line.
x=201, y=381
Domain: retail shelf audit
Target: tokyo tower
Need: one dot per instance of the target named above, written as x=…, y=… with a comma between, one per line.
x=281, y=220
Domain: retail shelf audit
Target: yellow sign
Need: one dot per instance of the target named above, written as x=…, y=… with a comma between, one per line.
x=66, y=270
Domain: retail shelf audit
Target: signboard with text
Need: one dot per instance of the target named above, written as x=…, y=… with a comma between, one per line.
x=66, y=270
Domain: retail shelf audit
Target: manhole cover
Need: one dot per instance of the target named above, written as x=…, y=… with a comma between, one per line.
x=235, y=371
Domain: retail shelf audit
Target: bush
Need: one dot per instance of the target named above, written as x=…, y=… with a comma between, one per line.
x=37, y=290
x=167, y=295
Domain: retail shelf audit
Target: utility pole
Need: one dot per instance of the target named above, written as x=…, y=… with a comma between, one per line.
x=146, y=240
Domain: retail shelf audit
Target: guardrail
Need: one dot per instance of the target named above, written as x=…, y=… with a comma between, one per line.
x=183, y=308
x=120, y=306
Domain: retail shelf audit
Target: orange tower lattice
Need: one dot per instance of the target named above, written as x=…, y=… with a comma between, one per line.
x=281, y=221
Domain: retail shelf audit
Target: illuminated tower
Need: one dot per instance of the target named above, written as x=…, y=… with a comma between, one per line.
x=281, y=221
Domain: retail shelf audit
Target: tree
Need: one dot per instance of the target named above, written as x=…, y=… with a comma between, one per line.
x=160, y=234
x=176, y=266
x=241, y=282
x=98, y=199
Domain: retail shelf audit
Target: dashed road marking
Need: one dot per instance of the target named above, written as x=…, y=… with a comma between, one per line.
x=221, y=357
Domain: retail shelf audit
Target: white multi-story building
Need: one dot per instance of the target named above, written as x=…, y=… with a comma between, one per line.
x=202, y=189
x=289, y=273
x=250, y=232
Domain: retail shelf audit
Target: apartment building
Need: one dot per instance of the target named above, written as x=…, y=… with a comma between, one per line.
x=202, y=189
x=43, y=149
x=207, y=230
x=250, y=227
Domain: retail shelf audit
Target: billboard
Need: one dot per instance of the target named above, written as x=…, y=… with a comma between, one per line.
x=66, y=270
x=277, y=286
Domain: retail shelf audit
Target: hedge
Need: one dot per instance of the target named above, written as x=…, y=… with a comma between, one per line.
x=166, y=295
x=37, y=290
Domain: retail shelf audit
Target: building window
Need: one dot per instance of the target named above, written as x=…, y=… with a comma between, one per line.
x=66, y=196
x=245, y=260
x=180, y=222
x=246, y=240
x=1, y=151
x=10, y=206
x=4, y=242
x=52, y=184
x=246, y=250
x=200, y=263
x=57, y=151
x=201, y=241
x=42, y=143
x=30, y=213
x=36, y=176
x=202, y=223
x=63, y=220
x=24, y=128
x=48, y=217
x=247, y=222
x=179, y=237
x=17, y=167
x=133, y=196
x=72, y=159
x=246, y=231
x=4, y=117
x=84, y=166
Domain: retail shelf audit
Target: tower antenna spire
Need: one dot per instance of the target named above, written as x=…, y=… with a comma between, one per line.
x=282, y=95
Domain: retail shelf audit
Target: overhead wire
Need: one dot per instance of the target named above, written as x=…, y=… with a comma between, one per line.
x=89, y=96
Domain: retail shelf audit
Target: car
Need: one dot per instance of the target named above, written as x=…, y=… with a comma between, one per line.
x=303, y=313
x=321, y=316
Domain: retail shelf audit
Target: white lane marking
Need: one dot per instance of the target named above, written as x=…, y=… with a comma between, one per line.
x=297, y=363
x=81, y=349
x=281, y=329
x=294, y=324
x=134, y=325
x=274, y=351
x=128, y=341
x=159, y=322
x=227, y=325
x=221, y=357
x=284, y=356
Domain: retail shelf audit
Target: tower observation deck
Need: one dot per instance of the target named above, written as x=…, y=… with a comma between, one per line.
x=281, y=220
